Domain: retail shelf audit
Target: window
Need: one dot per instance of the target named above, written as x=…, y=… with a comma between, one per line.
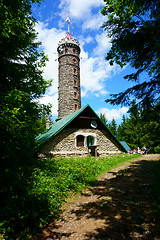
x=74, y=60
x=75, y=71
x=75, y=83
x=75, y=95
x=75, y=107
x=66, y=50
x=74, y=51
x=80, y=141
x=90, y=140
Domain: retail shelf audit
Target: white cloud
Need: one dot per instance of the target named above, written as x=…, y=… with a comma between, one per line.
x=95, y=70
x=46, y=99
x=80, y=8
x=103, y=44
x=113, y=113
x=89, y=39
x=93, y=73
x=93, y=21
x=50, y=39
x=83, y=10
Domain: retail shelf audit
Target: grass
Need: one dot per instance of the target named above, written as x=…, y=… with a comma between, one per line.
x=51, y=182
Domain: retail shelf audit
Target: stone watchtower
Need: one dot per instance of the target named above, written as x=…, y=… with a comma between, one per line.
x=69, y=93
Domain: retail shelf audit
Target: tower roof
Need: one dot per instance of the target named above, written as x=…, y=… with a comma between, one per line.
x=68, y=38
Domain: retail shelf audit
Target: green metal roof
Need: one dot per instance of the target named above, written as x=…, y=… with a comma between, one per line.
x=125, y=145
x=58, y=126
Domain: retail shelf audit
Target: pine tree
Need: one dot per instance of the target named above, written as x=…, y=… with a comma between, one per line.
x=121, y=130
x=103, y=118
x=21, y=81
x=113, y=127
x=130, y=129
x=21, y=84
x=134, y=28
x=142, y=127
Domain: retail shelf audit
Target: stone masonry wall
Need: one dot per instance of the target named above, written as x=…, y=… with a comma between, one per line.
x=69, y=72
x=64, y=144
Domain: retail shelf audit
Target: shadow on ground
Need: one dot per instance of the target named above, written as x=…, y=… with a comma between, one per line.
x=124, y=204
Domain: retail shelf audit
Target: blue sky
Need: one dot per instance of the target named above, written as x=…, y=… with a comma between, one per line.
x=98, y=78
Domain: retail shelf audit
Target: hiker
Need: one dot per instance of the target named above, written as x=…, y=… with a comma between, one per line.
x=144, y=150
x=134, y=151
x=139, y=150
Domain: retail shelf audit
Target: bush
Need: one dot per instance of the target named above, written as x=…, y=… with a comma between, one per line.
x=157, y=149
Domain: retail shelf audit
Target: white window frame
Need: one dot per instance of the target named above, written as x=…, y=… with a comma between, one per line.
x=85, y=135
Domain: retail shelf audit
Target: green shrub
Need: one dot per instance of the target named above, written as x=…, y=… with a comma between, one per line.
x=157, y=149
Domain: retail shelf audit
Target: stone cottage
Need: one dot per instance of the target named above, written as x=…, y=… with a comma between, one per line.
x=77, y=131
x=80, y=133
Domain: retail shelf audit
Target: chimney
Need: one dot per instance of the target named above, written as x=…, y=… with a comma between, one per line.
x=48, y=123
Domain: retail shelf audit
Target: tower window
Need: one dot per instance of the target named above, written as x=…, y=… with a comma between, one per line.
x=80, y=141
x=75, y=95
x=74, y=51
x=75, y=71
x=74, y=60
x=75, y=83
x=66, y=50
x=75, y=107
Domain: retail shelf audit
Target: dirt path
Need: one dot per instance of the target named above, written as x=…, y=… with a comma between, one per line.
x=117, y=207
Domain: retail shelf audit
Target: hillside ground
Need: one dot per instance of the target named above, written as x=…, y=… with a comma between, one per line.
x=120, y=205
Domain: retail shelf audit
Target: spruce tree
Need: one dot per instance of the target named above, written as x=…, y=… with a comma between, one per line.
x=21, y=84
x=134, y=29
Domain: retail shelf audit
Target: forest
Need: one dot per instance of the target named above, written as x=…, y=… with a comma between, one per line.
x=140, y=128
x=134, y=31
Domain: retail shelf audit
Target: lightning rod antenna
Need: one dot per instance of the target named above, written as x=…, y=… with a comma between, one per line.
x=68, y=21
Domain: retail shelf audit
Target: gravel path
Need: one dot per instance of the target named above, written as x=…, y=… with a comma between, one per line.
x=118, y=206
